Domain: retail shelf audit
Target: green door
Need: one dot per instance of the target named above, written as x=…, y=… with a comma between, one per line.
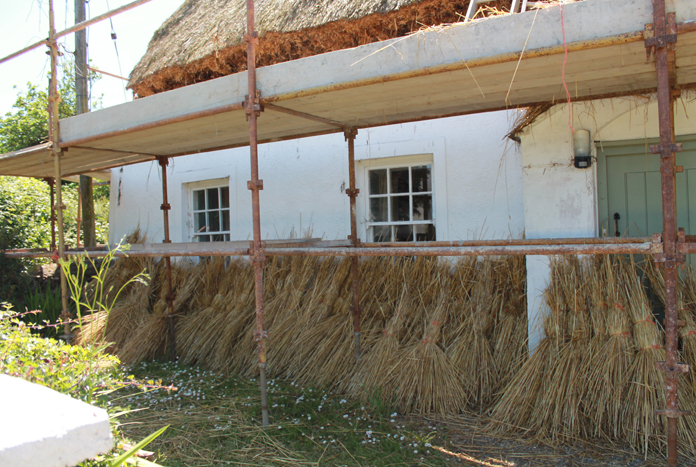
x=629, y=190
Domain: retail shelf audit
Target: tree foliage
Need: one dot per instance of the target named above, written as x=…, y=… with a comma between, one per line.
x=27, y=124
x=25, y=210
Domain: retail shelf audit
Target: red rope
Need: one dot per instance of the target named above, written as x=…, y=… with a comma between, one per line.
x=565, y=59
x=622, y=334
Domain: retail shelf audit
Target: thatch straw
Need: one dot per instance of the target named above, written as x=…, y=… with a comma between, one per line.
x=149, y=341
x=472, y=352
x=594, y=385
x=615, y=358
x=510, y=334
x=203, y=39
x=645, y=382
x=369, y=376
x=423, y=377
x=565, y=392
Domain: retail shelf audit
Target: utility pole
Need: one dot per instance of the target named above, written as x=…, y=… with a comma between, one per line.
x=82, y=94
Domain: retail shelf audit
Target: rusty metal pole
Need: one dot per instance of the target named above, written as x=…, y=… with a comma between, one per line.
x=163, y=162
x=78, y=219
x=253, y=110
x=660, y=45
x=352, y=192
x=51, y=186
x=56, y=153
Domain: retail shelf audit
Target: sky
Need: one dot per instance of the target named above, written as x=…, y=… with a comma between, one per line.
x=23, y=22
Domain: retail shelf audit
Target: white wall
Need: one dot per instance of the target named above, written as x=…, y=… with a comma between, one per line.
x=477, y=178
x=560, y=200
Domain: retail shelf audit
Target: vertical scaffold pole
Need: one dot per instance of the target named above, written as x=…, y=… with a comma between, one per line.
x=352, y=192
x=54, y=136
x=672, y=254
x=51, y=186
x=78, y=220
x=164, y=162
x=253, y=110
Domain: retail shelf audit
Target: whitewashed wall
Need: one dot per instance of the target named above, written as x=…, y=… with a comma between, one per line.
x=477, y=178
x=560, y=200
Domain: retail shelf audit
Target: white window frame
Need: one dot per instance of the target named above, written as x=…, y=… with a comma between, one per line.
x=190, y=212
x=408, y=162
x=377, y=155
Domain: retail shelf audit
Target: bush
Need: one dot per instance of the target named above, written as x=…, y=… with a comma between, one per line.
x=84, y=373
x=76, y=371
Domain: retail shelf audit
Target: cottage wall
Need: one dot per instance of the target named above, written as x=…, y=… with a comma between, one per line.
x=477, y=182
x=561, y=200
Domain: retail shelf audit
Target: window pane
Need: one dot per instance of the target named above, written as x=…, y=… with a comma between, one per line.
x=226, y=221
x=217, y=238
x=381, y=233
x=425, y=233
x=378, y=182
x=227, y=237
x=199, y=200
x=421, y=178
x=403, y=233
x=225, y=197
x=423, y=208
x=199, y=221
x=400, y=208
x=378, y=209
x=399, y=180
x=214, y=221
x=202, y=238
x=213, y=201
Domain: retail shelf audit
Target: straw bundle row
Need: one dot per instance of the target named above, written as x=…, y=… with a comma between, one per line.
x=418, y=316
x=594, y=373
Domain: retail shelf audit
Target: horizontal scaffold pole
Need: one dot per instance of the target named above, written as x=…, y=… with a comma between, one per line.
x=481, y=250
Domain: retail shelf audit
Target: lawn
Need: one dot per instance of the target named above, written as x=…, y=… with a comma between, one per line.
x=215, y=420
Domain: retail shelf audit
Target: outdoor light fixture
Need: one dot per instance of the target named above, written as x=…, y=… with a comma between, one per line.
x=582, y=149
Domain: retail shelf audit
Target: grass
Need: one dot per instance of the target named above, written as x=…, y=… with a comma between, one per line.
x=215, y=420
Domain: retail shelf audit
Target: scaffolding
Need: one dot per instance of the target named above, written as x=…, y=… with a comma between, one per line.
x=669, y=248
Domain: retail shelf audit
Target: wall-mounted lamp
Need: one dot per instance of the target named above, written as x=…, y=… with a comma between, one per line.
x=582, y=149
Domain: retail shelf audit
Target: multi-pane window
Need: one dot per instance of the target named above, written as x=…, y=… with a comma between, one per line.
x=401, y=204
x=211, y=214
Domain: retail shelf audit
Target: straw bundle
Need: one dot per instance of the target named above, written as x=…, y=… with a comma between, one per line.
x=122, y=306
x=686, y=299
x=594, y=386
x=90, y=330
x=509, y=338
x=615, y=358
x=197, y=338
x=471, y=352
x=519, y=404
x=150, y=340
x=646, y=383
x=369, y=376
x=688, y=332
x=424, y=380
x=563, y=399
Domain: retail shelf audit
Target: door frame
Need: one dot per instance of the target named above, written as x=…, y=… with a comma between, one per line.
x=618, y=148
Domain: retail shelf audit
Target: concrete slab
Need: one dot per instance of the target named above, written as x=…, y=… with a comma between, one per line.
x=43, y=428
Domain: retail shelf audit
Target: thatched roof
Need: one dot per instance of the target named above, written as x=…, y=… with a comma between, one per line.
x=203, y=39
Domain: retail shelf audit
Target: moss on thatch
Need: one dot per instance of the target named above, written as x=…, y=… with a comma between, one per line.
x=203, y=39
